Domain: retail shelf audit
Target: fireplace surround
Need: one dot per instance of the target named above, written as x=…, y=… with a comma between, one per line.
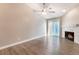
x=69, y=35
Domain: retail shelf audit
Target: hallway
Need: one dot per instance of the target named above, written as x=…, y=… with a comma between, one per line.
x=43, y=46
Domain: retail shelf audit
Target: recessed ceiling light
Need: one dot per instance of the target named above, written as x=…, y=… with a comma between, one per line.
x=64, y=10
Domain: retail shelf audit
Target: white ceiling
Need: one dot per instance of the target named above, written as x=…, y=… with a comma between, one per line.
x=59, y=8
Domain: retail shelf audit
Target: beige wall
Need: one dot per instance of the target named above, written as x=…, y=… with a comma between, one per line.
x=69, y=22
x=18, y=23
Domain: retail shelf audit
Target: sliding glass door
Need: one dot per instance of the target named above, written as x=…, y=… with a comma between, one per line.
x=54, y=27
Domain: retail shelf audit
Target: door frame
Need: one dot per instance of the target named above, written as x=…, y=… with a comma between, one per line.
x=47, y=25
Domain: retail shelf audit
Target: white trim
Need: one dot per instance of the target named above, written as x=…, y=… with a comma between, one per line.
x=13, y=44
x=76, y=41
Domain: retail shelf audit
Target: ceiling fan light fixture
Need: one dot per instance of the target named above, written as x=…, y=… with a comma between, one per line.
x=44, y=13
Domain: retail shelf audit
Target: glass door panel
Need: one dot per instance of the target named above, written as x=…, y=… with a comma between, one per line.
x=54, y=27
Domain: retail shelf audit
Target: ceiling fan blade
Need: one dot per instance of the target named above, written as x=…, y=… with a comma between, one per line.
x=37, y=10
x=51, y=11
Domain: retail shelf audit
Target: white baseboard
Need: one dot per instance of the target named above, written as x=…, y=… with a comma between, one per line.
x=13, y=44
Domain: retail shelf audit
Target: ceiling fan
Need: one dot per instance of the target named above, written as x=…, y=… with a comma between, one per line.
x=44, y=8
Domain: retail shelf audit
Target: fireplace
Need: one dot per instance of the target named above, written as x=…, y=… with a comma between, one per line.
x=69, y=35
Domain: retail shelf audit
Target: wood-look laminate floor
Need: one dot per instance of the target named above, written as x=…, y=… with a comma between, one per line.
x=43, y=46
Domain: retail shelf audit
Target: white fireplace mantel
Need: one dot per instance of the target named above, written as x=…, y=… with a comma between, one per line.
x=72, y=29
